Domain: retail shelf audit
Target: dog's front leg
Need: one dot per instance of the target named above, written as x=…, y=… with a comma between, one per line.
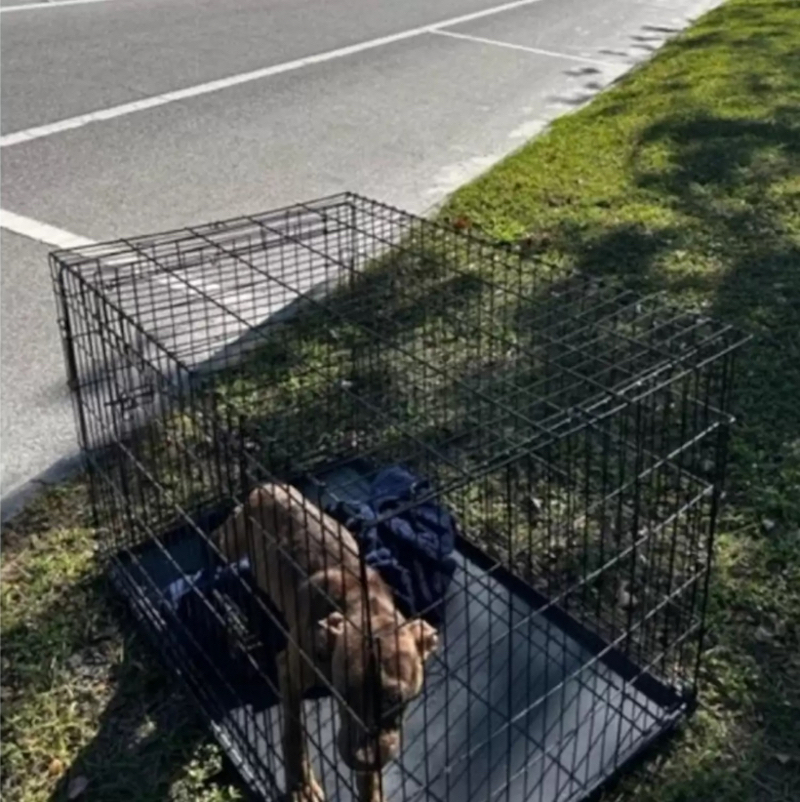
x=369, y=786
x=301, y=785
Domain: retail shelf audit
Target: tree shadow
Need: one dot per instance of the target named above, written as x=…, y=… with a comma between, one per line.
x=716, y=152
x=715, y=175
x=728, y=177
x=140, y=732
x=146, y=736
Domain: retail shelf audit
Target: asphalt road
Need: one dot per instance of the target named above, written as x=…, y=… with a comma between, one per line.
x=285, y=100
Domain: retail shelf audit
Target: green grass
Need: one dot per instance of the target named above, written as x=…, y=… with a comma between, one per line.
x=82, y=697
x=685, y=177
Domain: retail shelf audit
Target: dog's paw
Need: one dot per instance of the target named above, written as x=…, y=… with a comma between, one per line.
x=309, y=791
x=370, y=788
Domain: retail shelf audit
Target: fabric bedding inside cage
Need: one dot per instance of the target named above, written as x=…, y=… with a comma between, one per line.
x=413, y=548
x=515, y=701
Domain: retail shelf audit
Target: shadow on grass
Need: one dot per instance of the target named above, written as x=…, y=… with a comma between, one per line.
x=147, y=734
x=702, y=202
x=85, y=704
x=722, y=179
x=729, y=179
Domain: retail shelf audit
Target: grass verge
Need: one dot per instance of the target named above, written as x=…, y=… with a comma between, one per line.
x=685, y=177
x=86, y=710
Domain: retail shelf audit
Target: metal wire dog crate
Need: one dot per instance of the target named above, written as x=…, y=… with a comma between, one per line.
x=576, y=431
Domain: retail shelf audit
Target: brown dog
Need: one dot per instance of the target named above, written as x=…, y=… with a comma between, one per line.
x=308, y=564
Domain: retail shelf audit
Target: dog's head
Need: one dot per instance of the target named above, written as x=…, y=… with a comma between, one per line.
x=376, y=677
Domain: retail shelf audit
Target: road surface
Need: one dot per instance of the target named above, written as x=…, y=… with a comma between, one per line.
x=124, y=117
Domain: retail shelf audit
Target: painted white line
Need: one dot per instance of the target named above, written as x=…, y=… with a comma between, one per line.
x=246, y=77
x=55, y=4
x=538, y=51
x=58, y=238
x=42, y=232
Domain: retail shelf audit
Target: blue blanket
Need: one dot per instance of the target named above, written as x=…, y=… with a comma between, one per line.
x=412, y=550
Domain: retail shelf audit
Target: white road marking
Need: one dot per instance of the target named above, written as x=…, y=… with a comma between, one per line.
x=42, y=232
x=56, y=4
x=40, y=131
x=57, y=238
x=538, y=51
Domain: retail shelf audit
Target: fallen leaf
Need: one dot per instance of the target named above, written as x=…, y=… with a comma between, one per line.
x=763, y=634
x=782, y=758
x=767, y=524
x=77, y=786
x=56, y=767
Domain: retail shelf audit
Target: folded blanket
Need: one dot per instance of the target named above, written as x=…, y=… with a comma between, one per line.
x=413, y=549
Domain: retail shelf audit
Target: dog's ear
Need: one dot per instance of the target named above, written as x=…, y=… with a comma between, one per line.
x=426, y=638
x=263, y=500
x=329, y=629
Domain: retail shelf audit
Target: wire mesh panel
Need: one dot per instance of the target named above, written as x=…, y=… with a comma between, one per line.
x=524, y=462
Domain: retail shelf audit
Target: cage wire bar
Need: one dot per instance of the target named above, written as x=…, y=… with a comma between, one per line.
x=576, y=430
